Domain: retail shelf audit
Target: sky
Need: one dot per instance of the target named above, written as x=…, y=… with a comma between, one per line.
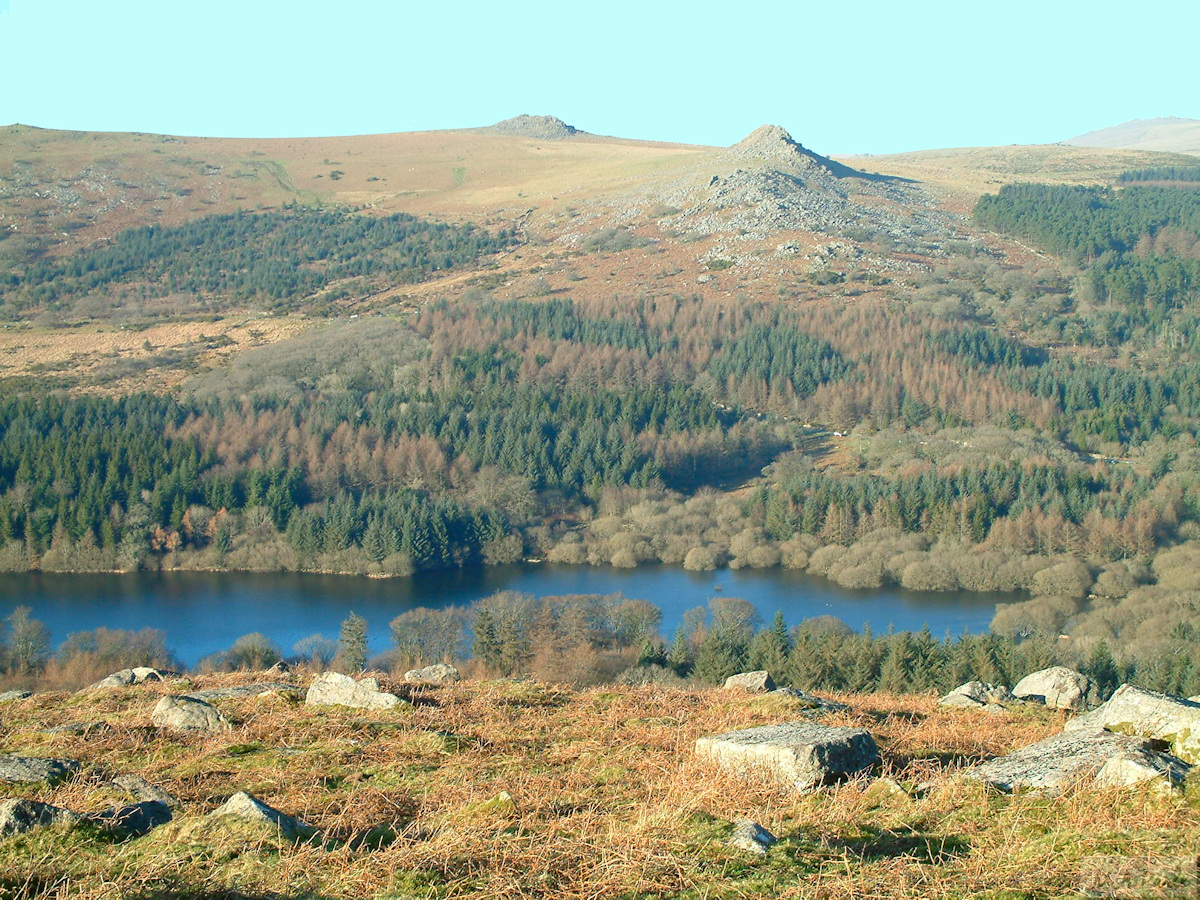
x=850, y=77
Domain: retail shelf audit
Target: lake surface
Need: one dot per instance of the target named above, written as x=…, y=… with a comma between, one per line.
x=205, y=612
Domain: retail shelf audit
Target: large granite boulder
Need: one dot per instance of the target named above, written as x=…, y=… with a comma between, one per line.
x=437, y=674
x=1058, y=687
x=976, y=695
x=187, y=714
x=1148, y=714
x=33, y=769
x=20, y=816
x=248, y=808
x=1049, y=766
x=755, y=682
x=334, y=689
x=803, y=755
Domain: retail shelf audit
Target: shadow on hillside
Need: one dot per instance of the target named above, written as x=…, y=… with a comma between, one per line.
x=883, y=843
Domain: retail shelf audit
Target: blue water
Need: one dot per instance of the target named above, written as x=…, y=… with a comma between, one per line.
x=205, y=612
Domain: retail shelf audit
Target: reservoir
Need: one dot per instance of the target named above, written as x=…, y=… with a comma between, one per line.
x=205, y=612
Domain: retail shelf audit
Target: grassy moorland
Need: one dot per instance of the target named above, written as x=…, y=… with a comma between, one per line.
x=607, y=800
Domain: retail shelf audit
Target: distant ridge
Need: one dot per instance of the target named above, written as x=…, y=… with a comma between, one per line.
x=543, y=128
x=1168, y=133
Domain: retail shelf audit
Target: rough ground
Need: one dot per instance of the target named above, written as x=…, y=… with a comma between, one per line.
x=605, y=799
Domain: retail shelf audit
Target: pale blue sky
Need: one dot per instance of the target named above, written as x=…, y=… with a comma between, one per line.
x=842, y=77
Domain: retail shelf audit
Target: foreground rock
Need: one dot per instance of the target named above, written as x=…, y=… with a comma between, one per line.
x=248, y=808
x=10, y=696
x=135, y=820
x=756, y=682
x=976, y=695
x=1058, y=687
x=186, y=714
x=20, y=816
x=803, y=755
x=33, y=769
x=438, y=674
x=748, y=835
x=137, y=675
x=1049, y=765
x=1148, y=714
x=1144, y=768
x=334, y=689
x=142, y=790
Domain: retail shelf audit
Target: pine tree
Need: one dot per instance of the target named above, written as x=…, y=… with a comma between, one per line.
x=352, y=643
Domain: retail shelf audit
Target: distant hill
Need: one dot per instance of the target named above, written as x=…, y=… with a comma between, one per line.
x=1169, y=133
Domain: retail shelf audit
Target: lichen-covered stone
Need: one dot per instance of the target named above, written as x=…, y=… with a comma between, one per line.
x=748, y=835
x=1144, y=768
x=1057, y=687
x=20, y=816
x=335, y=689
x=136, y=819
x=756, y=682
x=803, y=755
x=1048, y=766
x=16, y=769
x=187, y=714
x=1148, y=714
x=136, y=675
x=438, y=674
x=976, y=695
x=248, y=808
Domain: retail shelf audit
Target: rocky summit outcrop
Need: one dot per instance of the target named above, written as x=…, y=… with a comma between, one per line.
x=187, y=714
x=772, y=143
x=248, y=808
x=542, y=128
x=335, y=689
x=1057, y=687
x=16, y=769
x=804, y=755
x=1148, y=714
x=20, y=816
x=1050, y=765
x=755, y=682
x=437, y=674
x=136, y=675
x=977, y=695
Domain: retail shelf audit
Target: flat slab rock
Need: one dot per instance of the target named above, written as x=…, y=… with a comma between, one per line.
x=10, y=696
x=245, y=690
x=1049, y=765
x=976, y=695
x=34, y=769
x=1148, y=714
x=803, y=755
